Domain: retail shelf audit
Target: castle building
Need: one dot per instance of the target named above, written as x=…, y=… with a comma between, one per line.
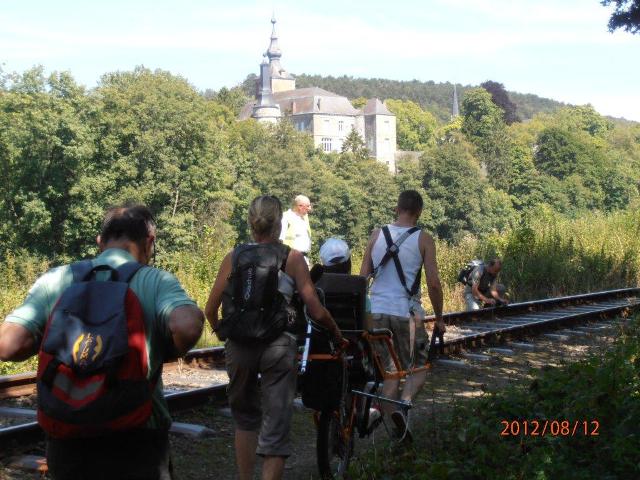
x=327, y=116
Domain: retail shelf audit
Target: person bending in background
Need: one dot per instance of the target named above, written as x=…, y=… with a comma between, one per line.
x=483, y=286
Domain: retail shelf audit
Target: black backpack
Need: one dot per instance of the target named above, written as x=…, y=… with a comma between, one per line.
x=465, y=273
x=253, y=310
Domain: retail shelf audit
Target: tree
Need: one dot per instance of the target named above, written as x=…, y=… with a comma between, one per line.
x=234, y=99
x=585, y=118
x=359, y=102
x=559, y=153
x=354, y=144
x=626, y=15
x=415, y=127
x=47, y=141
x=160, y=143
x=480, y=116
x=453, y=184
x=525, y=186
x=483, y=125
x=501, y=98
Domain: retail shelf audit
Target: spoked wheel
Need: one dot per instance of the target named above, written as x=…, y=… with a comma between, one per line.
x=334, y=445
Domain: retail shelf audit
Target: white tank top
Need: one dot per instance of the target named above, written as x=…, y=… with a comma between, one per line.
x=387, y=293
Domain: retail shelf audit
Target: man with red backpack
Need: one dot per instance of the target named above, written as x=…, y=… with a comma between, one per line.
x=102, y=329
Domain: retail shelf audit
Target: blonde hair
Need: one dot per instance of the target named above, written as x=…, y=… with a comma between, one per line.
x=265, y=216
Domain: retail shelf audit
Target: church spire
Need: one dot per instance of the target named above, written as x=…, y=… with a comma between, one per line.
x=455, y=111
x=274, y=52
x=281, y=80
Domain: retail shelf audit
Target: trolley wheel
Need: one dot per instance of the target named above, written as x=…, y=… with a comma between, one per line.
x=334, y=446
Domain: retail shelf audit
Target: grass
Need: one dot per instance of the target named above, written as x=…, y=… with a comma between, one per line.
x=547, y=255
x=466, y=443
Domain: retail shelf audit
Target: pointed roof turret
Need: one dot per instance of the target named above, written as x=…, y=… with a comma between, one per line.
x=455, y=110
x=274, y=51
x=375, y=107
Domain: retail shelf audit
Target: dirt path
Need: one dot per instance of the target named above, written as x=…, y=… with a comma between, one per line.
x=213, y=458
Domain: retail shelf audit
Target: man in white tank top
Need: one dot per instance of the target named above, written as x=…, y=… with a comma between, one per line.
x=395, y=304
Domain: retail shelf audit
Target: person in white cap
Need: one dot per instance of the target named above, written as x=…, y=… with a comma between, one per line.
x=335, y=256
x=296, y=231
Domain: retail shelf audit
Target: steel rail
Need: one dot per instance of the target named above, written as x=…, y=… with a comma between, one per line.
x=530, y=322
x=529, y=306
x=25, y=383
x=475, y=338
x=31, y=432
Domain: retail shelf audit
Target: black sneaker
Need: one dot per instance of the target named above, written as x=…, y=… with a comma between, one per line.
x=402, y=431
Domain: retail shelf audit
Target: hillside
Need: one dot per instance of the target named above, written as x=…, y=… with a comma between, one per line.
x=435, y=97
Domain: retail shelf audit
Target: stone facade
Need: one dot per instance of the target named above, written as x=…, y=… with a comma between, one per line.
x=327, y=116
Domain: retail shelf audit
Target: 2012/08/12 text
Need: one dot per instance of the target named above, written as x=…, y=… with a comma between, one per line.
x=555, y=428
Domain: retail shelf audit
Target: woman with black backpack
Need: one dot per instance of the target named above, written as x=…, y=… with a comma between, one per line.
x=254, y=285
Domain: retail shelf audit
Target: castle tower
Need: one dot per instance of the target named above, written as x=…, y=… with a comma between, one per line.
x=265, y=109
x=281, y=80
x=380, y=132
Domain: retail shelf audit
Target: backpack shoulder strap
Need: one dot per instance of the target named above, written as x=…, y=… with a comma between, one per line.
x=236, y=254
x=81, y=270
x=396, y=259
x=392, y=248
x=284, y=253
x=127, y=271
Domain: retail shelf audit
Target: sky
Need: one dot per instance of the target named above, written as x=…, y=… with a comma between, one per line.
x=556, y=49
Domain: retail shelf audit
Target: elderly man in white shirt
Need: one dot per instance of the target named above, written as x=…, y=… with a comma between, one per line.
x=296, y=232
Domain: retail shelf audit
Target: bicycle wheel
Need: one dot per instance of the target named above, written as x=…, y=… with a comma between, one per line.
x=334, y=444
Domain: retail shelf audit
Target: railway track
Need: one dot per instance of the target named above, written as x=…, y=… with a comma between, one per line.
x=495, y=325
x=466, y=330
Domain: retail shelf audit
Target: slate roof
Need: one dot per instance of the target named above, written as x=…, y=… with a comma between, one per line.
x=375, y=107
x=309, y=100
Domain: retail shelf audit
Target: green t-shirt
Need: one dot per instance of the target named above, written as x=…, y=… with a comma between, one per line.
x=159, y=293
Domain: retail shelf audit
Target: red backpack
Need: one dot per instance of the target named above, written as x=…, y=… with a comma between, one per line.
x=92, y=364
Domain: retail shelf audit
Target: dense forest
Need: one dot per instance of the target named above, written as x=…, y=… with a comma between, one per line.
x=67, y=152
x=556, y=196
x=436, y=98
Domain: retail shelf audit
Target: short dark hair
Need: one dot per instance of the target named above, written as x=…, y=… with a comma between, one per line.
x=494, y=261
x=133, y=222
x=410, y=201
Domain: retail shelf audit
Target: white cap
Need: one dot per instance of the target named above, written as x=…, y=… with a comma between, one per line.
x=334, y=251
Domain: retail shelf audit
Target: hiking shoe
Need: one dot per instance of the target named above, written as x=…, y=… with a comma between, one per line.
x=402, y=431
x=375, y=417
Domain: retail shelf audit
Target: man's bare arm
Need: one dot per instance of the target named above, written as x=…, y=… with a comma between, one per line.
x=185, y=324
x=16, y=342
x=367, y=262
x=496, y=295
x=434, y=287
x=477, y=294
x=215, y=296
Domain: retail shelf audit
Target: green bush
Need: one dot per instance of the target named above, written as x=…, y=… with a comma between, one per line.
x=467, y=442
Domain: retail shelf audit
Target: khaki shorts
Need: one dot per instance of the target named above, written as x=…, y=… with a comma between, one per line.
x=266, y=407
x=399, y=326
